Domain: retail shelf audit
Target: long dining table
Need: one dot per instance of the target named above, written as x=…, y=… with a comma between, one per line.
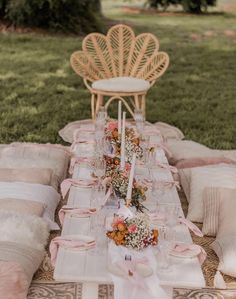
x=92, y=270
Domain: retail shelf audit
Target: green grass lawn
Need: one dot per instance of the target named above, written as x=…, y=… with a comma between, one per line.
x=39, y=92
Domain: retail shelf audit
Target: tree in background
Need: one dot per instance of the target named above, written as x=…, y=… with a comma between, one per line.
x=77, y=16
x=192, y=6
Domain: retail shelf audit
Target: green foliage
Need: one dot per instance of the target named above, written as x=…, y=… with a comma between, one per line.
x=192, y=6
x=75, y=16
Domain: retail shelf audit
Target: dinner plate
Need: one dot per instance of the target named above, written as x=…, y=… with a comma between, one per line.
x=189, y=253
x=78, y=237
x=142, y=269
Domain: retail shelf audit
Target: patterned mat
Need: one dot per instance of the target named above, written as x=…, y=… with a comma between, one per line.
x=74, y=291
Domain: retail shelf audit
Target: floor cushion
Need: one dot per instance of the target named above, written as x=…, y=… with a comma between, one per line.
x=30, y=155
x=185, y=179
x=222, y=175
x=28, y=175
x=13, y=281
x=29, y=230
x=27, y=257
x=121, y=84
x=225, y=248
x=22, y=206
x=46, y=195
x=169, y=131
x=186, y=149
x=197, y=162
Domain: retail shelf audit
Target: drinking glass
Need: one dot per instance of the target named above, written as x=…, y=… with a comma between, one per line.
x=98, y=231
x=100, y=169
x=157, y=190
x=166, y=240
x=151, y=159
x=139, y=121
x=173, y=211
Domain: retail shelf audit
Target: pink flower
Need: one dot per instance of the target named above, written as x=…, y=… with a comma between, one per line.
x=117, y=220
x=132, y=228
x=112, y=126
x=127, y=167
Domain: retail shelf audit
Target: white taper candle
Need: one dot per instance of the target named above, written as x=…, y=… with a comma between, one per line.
x=131, y=178
x=119, y=117
x=122, y=150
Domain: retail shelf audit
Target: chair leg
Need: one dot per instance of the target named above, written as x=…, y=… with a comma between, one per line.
x=99, y=103
x=93, y=98
x=143, y=105
x=136, y=99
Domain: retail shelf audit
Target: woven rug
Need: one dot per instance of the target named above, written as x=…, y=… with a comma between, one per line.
x=74, y=291
x=44, y=286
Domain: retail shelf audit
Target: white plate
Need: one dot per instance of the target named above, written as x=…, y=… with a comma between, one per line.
x=142, y=269
x=187, y=253
x=78, y=237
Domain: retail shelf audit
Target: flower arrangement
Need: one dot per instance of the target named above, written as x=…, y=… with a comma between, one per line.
x=133, y=232
x=132, y=141
x=119, y=182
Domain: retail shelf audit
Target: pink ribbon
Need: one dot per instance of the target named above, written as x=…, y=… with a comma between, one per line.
x=69, y=243
x=156, y=217
x=191, y=226
x=67, y=183
x=168, y=167
x=73, y=145
x=184, y=247
x=80, y=212
x=129, y=268
x=75, y=160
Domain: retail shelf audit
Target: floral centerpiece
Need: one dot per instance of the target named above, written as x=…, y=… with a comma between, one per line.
x=132, y=141
x=133, y=232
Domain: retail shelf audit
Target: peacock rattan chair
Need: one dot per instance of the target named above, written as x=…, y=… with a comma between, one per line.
x=119, y=65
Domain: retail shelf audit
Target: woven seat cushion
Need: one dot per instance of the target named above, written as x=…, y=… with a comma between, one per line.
x=121, y=84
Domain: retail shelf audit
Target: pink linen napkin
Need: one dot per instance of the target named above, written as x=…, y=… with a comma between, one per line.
x=75, y=160
x=184, y=247
x=69, y=243
x=67, y=183
x=162, y=184
x=80, y=212
x=191, y=226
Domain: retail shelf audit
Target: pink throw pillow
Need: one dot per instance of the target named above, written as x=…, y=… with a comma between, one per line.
x=13, y=281
x=197, y=162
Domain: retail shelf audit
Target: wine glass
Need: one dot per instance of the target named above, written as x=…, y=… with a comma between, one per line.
x=139, y=121
x=166, y=240
x=151, y=159
x=100, y=169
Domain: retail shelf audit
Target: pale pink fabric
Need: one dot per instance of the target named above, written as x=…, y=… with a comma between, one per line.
x=162, y=184
x=168, y=167
x=75, y=160
x=69, y=243
x=191, y=226
x=67, y=183
x=196, y=162
x=184, y=247
x=13, y=281
x=73, y=145
x=79, y=212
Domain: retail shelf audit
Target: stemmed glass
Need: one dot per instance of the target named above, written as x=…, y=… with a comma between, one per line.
x=100, y=168
x=166, y=244
x=151, y=159
x=139, y=121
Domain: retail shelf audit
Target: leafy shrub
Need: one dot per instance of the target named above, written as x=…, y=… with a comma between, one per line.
x=65, y=15
x=193, y=6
